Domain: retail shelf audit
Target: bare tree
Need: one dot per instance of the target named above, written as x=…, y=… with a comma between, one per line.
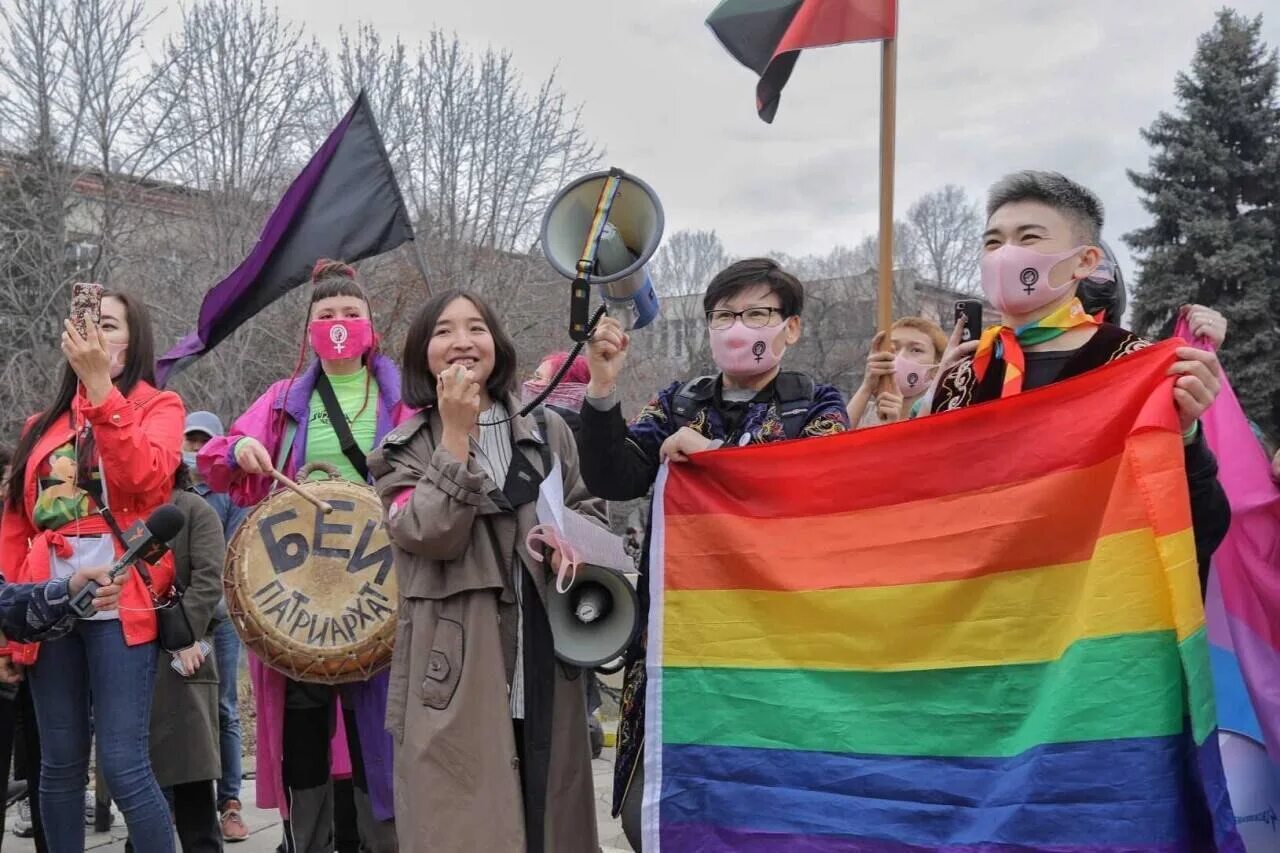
x=111, y=88
x=947, y=230
x=866, y=255
x=681, y=269
x=478, y=154
x=41, y=134
x=237, y=94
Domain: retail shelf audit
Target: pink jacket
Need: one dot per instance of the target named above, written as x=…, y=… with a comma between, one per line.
x=286, y=404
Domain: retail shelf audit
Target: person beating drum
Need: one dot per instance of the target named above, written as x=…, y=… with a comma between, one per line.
x=287, y=428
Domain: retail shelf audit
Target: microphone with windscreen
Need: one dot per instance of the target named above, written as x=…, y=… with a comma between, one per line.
x=161, y=526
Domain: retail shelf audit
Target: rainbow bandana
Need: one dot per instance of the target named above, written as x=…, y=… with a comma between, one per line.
x=1006, y=342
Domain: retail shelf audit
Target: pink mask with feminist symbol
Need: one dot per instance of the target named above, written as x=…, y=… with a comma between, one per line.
x=741, y=351
x=911, y=377
x=349, y=337
x=1016, y=279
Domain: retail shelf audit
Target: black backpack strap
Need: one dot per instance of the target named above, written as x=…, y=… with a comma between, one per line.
x=692, y=396
x=544, y=449
x=795, y=398
x=338, y=422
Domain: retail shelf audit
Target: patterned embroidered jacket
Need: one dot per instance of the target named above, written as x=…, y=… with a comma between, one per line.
x=620, y=462
x=959, y=386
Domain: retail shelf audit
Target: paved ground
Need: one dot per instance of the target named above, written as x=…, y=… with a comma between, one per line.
x=265, y=826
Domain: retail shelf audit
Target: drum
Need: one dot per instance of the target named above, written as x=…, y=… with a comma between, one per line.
x=313, y=594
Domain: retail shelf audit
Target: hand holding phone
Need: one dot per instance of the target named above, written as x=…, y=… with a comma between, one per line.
x=970, y=311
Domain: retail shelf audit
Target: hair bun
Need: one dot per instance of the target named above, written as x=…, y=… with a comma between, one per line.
x=328, y=268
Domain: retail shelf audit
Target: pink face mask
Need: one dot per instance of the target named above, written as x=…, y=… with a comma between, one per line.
x=1016, y=279
x=740, y=351
x=912, y=376
x=116, y=355
x=345, y=338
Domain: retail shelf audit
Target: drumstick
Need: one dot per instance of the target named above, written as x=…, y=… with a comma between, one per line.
x=323, y=506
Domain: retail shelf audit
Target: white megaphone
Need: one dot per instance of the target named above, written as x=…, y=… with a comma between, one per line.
x=601, y=230
x=596, y=620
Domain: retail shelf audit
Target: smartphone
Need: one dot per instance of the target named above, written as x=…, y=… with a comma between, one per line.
x=86, y=306
x=176, y=665
x=970, y=311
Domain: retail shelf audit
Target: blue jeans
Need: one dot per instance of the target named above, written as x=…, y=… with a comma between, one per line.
x=226, y=649
x=93, y=666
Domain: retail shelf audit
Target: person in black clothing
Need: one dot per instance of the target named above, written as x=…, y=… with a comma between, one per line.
x=1042, y=244
x=752, y=311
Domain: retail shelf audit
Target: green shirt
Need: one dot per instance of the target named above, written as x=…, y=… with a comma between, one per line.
x=60, y=501
x=357, y=395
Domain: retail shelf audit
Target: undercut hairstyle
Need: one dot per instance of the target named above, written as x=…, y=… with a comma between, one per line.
x=336, y=278
x=1079, y=205
x=418, y=383
x=754, y=272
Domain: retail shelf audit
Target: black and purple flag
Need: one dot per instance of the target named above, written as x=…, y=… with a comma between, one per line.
x=345, y=204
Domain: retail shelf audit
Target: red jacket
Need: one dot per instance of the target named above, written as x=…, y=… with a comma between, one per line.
x=139, y=442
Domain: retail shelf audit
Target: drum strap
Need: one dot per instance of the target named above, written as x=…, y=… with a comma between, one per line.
x=286, y=446
x=338, y=422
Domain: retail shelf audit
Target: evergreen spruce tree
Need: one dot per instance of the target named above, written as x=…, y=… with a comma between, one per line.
x=1213, y=191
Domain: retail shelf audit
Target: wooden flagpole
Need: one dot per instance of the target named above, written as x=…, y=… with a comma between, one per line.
x=888, y=99
x=884, y=299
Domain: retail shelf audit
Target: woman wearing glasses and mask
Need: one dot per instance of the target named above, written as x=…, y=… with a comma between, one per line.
x=752, y=311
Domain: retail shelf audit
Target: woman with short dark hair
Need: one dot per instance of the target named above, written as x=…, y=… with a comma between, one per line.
x=491, y=753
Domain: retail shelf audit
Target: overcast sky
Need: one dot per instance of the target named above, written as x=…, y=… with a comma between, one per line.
x=985, y=87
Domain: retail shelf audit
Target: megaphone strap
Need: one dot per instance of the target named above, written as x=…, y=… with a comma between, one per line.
x=604, y=205
x=545, y=534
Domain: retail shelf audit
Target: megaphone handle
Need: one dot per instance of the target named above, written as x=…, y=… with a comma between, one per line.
x=580, y=310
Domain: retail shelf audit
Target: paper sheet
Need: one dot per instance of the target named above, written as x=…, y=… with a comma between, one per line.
x=594, y=544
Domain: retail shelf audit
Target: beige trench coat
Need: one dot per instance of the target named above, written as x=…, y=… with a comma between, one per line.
x=457, y=772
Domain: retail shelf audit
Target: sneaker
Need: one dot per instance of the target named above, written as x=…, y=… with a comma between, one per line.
x=91, y=813
x=233, y=828
x=22, y=826
x=17, y=791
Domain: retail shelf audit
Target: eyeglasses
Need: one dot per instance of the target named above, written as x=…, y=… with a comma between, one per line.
x=753, y=318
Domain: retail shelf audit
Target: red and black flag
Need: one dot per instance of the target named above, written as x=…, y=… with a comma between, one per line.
x=768, y=35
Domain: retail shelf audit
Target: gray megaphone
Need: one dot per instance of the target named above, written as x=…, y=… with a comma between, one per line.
x=596, y=619
x=600, y=231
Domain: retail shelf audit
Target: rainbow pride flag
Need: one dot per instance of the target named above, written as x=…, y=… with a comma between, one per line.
x=980, y=631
